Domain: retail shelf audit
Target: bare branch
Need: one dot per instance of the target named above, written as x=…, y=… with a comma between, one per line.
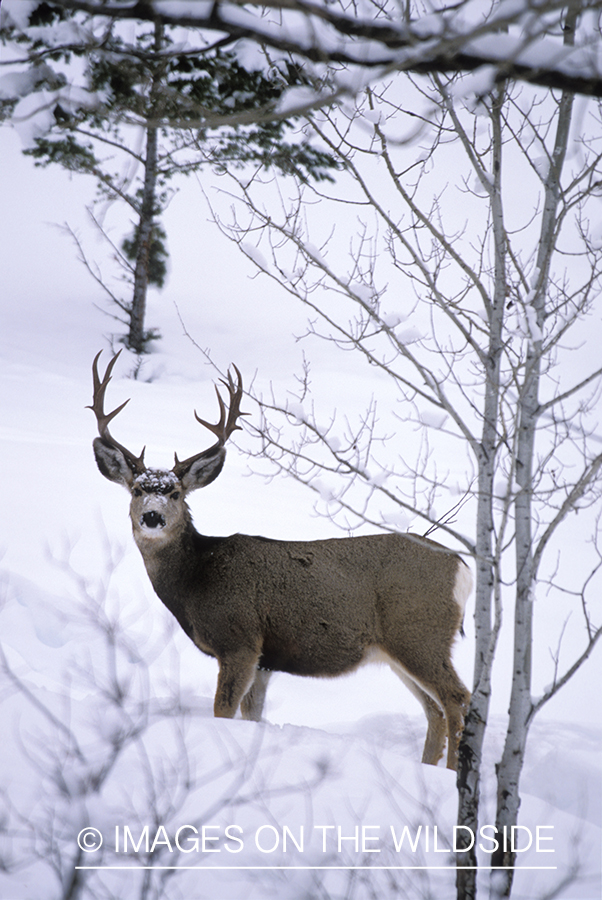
x=386, y=43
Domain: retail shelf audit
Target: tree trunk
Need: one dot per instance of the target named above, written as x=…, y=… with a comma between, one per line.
x=136, y=339
x=486, y=619
x=521, y=708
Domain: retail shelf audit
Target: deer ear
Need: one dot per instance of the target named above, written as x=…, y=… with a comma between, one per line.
x=112, y=463
x=204, y=470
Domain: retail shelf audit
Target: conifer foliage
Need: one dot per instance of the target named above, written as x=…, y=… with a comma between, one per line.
x=89, y=86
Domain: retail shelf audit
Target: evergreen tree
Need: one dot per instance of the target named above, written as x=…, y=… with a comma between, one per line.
x=199, y=102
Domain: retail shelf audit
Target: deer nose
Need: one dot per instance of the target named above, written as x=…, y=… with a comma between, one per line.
x=152, y=519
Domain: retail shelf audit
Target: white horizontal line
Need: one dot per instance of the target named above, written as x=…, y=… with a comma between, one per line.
x=315, y=868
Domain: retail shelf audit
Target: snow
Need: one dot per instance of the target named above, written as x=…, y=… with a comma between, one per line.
x=531, y=316
x=62, y=33
x=364, y=292
x=157, y=481
x=428, y=36
x=251, y=57
x=353, y=79
x=542, y=166
x=338, y=759
x=296, y=98
x=255, y=254
x=296, y=410
x=393, y=319
x=374, y=116
x=580, y=61
x=399, y=519
x=323, y=490
x=33, y=116
x=19, y=12
x=409, y=335
x=476, y=84
x=315, y=253
x=434, y=418
x=199, y=8
x=19, y=84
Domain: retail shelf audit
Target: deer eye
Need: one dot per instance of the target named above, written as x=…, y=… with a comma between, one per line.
x=137, y=492
x=175, y=495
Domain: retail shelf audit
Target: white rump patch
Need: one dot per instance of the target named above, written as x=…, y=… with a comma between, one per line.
x=463, y=585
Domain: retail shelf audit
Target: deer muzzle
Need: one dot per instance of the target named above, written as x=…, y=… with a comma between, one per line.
x=152, y=519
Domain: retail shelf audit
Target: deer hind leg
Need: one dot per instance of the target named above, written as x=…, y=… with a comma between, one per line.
x=437, y=726
x=445, y=701
x=454, y=698
x=236, y=677
x=251, y=705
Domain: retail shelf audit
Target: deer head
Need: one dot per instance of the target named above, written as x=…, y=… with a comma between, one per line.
x=158, y=509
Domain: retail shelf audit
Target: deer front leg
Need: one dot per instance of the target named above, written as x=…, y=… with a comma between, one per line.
x=236, y=674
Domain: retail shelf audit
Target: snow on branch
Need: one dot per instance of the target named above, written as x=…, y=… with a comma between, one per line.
x=524, y=40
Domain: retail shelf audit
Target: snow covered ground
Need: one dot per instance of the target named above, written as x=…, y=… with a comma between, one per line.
x=334, y=771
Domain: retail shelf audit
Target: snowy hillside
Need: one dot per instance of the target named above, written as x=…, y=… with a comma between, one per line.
x=107, y=718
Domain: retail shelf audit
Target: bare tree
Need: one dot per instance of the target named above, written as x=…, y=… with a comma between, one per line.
x=466, y=298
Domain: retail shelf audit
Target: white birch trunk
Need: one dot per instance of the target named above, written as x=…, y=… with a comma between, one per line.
x=486, y=619
x=521, y=706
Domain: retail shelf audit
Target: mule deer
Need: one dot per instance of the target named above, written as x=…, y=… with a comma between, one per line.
x=317, y=608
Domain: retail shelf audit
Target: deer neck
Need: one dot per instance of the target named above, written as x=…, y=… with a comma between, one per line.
x=165, y=555
x=175, y=564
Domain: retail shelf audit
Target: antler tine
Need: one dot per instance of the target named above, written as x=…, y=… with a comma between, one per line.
x=98, y=398
x=235, y=392
x=227, y=420
x=227, y=425
x=136, y=463
x=218, y=429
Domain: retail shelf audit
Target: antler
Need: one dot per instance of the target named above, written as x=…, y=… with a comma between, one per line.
x=224, y=428
x=136, y=463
